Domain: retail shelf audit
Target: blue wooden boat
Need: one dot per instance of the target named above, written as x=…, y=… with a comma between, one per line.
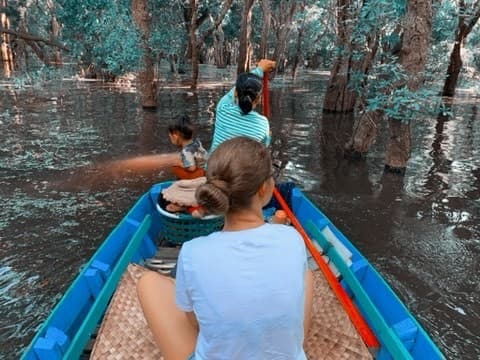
x=68, y=328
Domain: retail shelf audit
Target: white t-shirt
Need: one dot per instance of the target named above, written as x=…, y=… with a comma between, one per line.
x=246, y=289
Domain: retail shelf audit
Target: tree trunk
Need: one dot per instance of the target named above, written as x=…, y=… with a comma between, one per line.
x=20, y=59
x=283, y=22
x=453, y=71
x=364, y=134
x=56, y=58
x=171, y=62
x=244, y=38
x=398, y=147
x=463, y=29
x=267, y=15
x=6, y=55
x=413, y=57
x=148, y=87
x=298, y=48
x=219, y=46
x=55, y=31
x=338, y=97
x=193, y=42
x=198, y=41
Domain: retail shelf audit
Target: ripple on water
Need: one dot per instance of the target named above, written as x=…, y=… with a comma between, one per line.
x=421, y=232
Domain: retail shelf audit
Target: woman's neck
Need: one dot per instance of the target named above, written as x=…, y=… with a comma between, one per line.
x=243, y=220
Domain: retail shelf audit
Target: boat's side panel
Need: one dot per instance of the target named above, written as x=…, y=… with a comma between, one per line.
x=58, y=331
x=395, y=314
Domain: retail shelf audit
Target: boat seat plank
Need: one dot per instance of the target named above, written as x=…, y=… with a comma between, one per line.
x=166, y=252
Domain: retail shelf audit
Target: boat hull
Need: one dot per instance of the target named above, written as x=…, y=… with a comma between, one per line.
x=68, y=328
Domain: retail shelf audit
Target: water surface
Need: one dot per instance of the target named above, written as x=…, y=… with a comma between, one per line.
x=421, y=231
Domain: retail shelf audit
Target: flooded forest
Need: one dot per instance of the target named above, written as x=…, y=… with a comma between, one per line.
x=374, y=116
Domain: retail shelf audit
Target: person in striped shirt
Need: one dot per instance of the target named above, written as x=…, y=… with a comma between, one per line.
x=235, y=114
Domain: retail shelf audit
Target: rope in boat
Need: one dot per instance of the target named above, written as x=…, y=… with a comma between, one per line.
x=353, y=313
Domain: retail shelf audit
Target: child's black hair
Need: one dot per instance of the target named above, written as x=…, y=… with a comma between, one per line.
x=183, y=126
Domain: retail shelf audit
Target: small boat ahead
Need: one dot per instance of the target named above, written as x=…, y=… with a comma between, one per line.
x=68, y=329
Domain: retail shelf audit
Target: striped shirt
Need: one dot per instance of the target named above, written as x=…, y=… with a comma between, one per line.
x=230, y=122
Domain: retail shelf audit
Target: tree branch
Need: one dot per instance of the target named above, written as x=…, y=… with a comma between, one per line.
x=29, y=37
x=474, y=18
x=218, y=21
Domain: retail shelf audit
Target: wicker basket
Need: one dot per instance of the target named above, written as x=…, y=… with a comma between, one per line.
x=178, y=228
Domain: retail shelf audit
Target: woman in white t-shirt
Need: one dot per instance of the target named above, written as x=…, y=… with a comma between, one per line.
x=241, y=293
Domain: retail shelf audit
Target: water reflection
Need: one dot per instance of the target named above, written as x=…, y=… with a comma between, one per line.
x=421, y=231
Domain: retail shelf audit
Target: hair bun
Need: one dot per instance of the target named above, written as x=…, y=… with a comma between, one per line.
x=214, y=196
x=221, y=185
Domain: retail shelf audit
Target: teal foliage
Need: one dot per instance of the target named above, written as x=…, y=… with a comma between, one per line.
x=384, y=87
x=474, y=45
x=444, y=22
x=405, y=105
x=319, y=32
x=378, y=20
x=231, y=23
x=101, y=33
x=169, y=34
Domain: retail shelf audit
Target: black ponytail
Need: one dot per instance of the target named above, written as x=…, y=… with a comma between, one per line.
x=246, y=104
x=248, y=87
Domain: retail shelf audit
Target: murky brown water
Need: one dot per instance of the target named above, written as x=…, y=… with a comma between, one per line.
x=421, y=231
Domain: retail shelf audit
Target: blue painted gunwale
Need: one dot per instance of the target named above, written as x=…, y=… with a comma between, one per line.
x=391, y=308
x=61, y=328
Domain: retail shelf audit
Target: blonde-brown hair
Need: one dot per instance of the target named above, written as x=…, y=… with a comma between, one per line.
x=235, y=171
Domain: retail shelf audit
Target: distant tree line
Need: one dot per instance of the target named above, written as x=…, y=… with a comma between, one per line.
x=387, y=58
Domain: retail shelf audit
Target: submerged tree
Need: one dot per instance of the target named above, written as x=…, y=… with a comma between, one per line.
x=266, y=21
x=339, y=97
x=102, y=35
x=6, y=55
x=197, y=38
x=393, y=93
x=244, y=38
x=148, y=87
x=282, y=15
x=26, y=29
x=413, y=57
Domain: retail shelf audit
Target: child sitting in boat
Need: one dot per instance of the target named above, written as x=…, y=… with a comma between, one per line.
x=180, y=196
x=192, y=154
x=241, y=293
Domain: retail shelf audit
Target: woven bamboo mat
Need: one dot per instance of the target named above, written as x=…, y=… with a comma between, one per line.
x=124, y=333
x=331, y=335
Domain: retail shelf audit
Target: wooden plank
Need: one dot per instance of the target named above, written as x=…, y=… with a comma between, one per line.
x=167, y=253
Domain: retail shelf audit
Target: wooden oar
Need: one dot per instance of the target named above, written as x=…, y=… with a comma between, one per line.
x=140, y=164
x=355, y=317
